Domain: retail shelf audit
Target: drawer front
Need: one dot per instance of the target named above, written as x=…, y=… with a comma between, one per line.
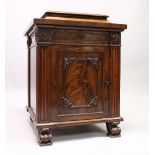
x=81, y=37
x=80, y=75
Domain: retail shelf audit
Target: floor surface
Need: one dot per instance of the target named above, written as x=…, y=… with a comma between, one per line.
x=91, y=139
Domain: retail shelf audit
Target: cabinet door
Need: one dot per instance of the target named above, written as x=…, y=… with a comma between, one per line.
x=80, y=74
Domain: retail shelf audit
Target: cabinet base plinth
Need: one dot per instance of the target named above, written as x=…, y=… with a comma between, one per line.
x=45, y=129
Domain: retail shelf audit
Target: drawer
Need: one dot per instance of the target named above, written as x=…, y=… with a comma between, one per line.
x=81, y=36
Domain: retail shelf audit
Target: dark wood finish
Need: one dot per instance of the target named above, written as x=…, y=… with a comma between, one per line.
x=44, y=136
x=115, y=82
x=113, y=129
x=73, y=72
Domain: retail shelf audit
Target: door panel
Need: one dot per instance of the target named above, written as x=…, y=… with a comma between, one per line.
x=80, y=76
x=80, y=82
x=80, y=79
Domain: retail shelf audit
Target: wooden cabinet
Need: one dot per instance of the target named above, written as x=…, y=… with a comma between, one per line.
x=73, y=72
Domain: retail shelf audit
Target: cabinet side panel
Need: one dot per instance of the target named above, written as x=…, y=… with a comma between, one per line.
x=33, y=78
x=43, y=83
x=115, y=82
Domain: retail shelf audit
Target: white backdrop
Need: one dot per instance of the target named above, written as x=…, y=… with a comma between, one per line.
x=134, y=74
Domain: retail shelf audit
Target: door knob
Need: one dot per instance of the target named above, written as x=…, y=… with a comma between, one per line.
x=107, y=83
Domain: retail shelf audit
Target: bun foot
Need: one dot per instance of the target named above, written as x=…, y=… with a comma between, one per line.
x=113, y=129
x=45, y=136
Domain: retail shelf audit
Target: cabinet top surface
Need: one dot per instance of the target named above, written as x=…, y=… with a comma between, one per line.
x=74, y=19
x=49, y=14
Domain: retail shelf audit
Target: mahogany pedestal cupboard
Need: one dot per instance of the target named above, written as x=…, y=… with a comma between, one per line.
x=73, y=72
